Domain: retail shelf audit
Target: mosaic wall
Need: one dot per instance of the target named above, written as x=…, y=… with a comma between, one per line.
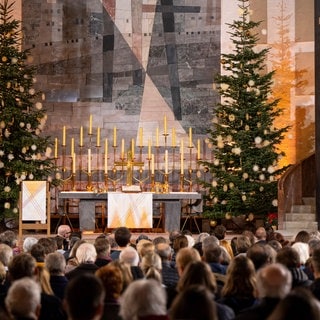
x=128, y=63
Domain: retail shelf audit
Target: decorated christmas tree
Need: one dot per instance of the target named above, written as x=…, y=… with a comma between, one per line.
x=24, y=150
x=244, y=141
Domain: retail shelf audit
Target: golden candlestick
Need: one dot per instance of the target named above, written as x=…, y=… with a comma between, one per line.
x=105, y=182
x=166, y=183
x=181, y=182
x=73, y=182
x=153, y=183
x=89, y=186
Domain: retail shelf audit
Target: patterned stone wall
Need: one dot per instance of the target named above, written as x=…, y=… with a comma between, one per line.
x=128, y=63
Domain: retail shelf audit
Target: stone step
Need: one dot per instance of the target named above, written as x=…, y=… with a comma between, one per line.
x=300, y=225
x=309, y=200
x=303, y=208
x=300, y=217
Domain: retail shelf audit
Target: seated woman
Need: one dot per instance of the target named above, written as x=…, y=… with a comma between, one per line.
x=239, y=289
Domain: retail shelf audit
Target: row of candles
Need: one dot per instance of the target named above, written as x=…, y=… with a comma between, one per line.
x=122, y=153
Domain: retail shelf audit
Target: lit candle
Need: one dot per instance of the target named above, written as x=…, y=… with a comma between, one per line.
x=165, y=124
x=173, y=137
x=114, y=136
x=198, y=149
x=72, y=147
x=157, y=137
x=81, y=136
x=89, y=160
x=56, y=148
x=181, y=163
x=166, y=162
x=149, y=149
x=190, y=137
x=64, y=136
x=140, y=137
x=132, y=149
x=90, y=124
x=106, y=156
x=181, y=158
x=73, y=163
x=122, y=148
x=98, y=137
x=152, y=164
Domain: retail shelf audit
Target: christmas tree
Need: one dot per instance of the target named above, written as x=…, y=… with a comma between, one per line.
x=24, y=151
x=244, y=141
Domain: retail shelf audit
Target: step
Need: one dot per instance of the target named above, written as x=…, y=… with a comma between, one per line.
x=300, y=217
x=300, y=225
x=303, y=208
x=309, y=200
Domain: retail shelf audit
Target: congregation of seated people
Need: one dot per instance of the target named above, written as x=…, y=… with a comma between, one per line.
x=116, y=276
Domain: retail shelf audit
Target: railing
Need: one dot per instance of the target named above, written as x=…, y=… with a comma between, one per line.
x=297, y=182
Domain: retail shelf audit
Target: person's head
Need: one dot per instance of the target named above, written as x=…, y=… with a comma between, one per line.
x=49, y=244
x=6, y=254
x=75, y=243
x=220, y=231
x=279, y=237
x=151, y=266
x=142, y=236
x=184, y=257
x=179, y=242
x=201, y=236
x=84, y=297
x=130, y=256
x=273, y=281
x=64, y=231
x=208, y=241
x=144, y=247
x=122, y=236
x=24, y=299
x=195, y=303
x=28, y=242
x=302, y=236
x=275, y=244
x=86, y=253
x=261, y=254
x=125, y=269
x=261, y=234
x=164, y=251
x=55, y=263
x=144, y=297
x=199, y=273
x=303, y=251
x=236, y=283
x=212, y=253
x=102, y=246
x=243, y=244
x=22, y=265
x=38, y=252
x=9, y=237
x=112, y=280
x=298, y=304
x=289, y=257
x=159, y=239
x=250, y=235
x=313, y=244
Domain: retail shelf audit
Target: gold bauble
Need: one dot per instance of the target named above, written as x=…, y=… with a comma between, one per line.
x=213, y=223
x=228, y=216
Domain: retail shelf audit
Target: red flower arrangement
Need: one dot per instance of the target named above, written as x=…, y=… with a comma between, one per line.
x=272, y=218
